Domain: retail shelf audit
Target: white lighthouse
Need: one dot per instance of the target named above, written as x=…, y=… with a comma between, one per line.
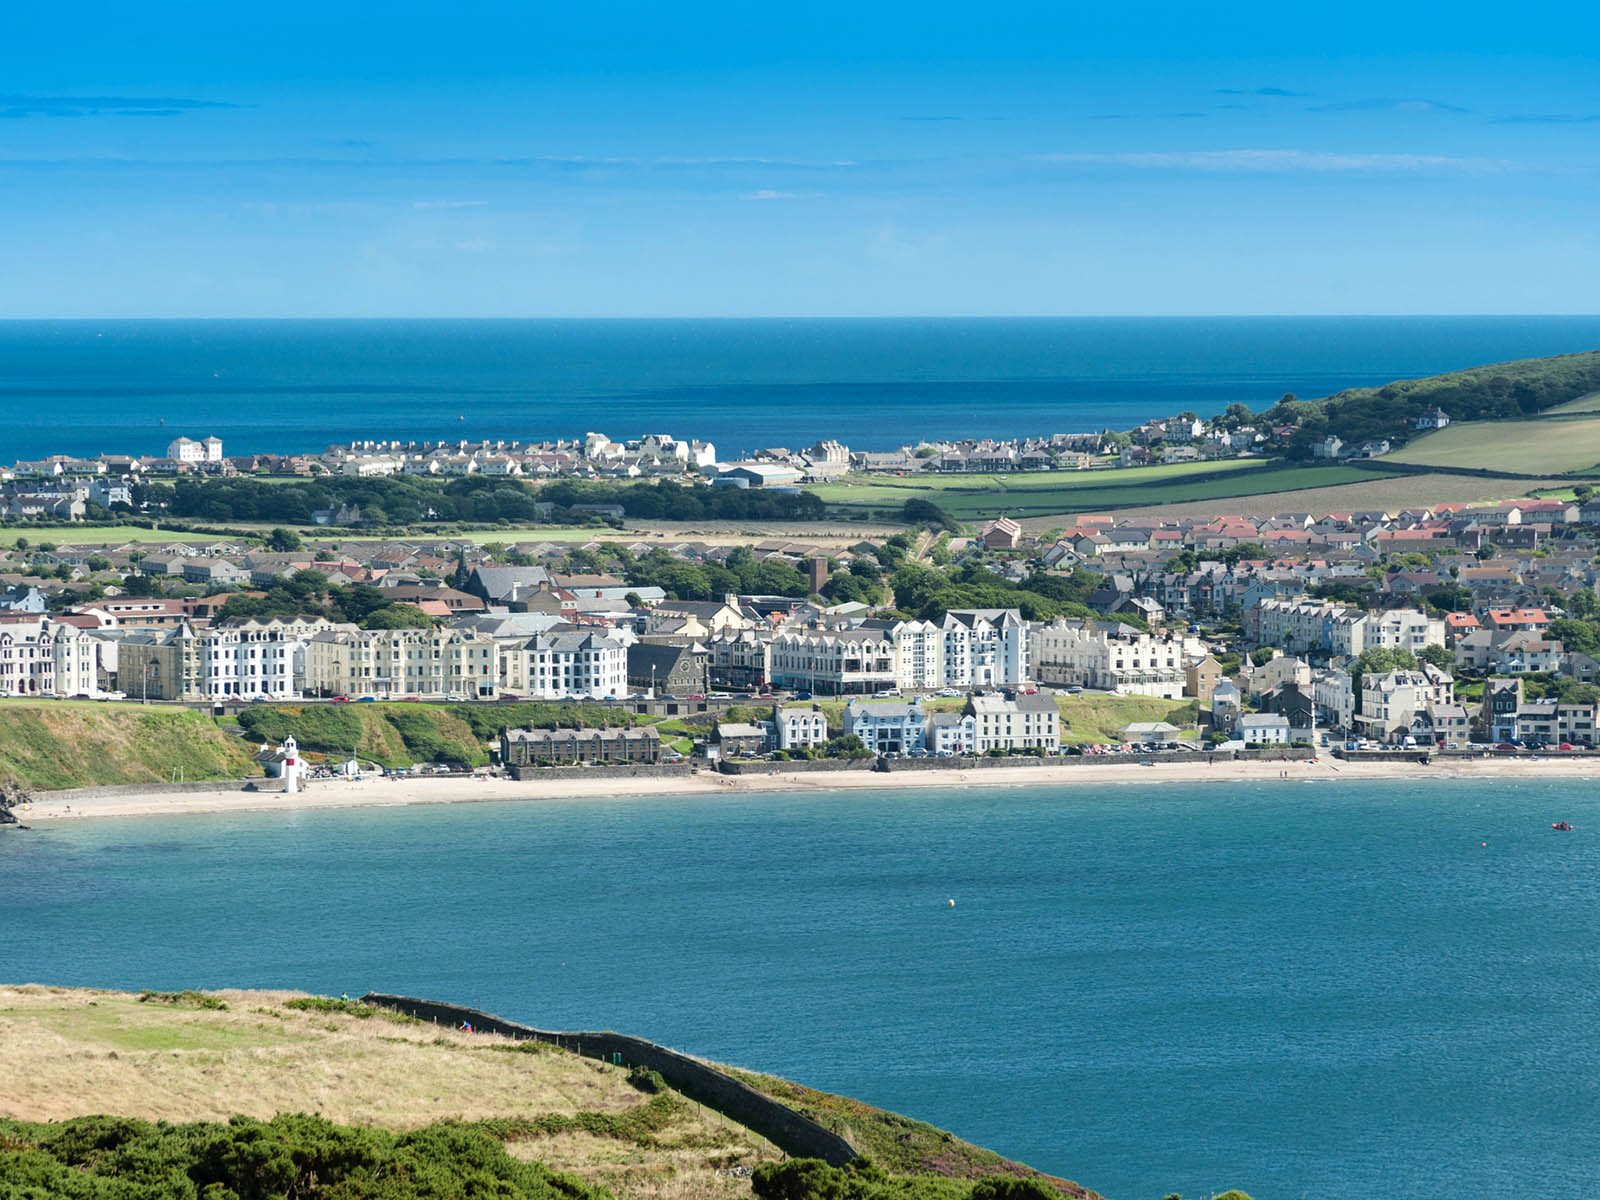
x=293, y=766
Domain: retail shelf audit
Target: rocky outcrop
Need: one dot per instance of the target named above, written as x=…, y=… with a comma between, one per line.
x=10, y=797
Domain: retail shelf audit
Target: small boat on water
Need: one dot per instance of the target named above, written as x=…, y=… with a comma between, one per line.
x=1562, y=825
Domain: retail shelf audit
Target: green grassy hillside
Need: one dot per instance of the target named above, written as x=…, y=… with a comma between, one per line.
x=975, y=497
x=1497, y=391
x=176, y=1091
x=399, y=735
x=1539, y=447
x=63, y=744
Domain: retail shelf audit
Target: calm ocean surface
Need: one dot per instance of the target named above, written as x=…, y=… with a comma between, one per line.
x=89, y=387
x=1329, y=990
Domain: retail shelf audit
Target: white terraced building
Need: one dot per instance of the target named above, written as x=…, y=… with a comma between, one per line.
x=1299, y=625
x=39, y=657
x=1016, y=723
x=834, y=662
x=243, y=662
x=1112, y=657
x=559, y=664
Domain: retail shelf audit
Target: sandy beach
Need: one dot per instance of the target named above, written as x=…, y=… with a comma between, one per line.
x=376, y=792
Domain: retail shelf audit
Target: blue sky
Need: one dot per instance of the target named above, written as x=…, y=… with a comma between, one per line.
x=498, y=159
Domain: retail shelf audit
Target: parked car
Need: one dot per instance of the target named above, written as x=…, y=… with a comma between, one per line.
x=367, y=700
x=802, y=695
x=1508, y=746
x=949, y=692
x=1074, y=690
x=340, y=700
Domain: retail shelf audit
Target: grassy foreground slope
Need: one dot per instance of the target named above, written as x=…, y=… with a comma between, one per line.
x=68, y=1053
x=1521, y=447
x=63, y=744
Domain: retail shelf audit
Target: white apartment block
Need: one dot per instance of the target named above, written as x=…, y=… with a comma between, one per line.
x=1109, y=656
x=186, y=450
x=984, y=647
x=389, y=663
x=919, y=655
x=556, y=665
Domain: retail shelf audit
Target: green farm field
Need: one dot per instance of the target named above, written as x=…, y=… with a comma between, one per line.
x=1524, y=447
x=1583, y=404
x=94, y=535
x=1028, y=480
x=972, y=497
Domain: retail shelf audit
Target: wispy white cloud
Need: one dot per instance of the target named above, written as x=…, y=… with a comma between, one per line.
x=770, y=194
x=1282, y=161
x=448, y=203
x=17, y=107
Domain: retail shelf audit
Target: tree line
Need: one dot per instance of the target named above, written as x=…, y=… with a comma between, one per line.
x=472, y=499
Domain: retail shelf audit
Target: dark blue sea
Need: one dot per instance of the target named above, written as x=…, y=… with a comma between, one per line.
x=1301, y=989
x=89, y=387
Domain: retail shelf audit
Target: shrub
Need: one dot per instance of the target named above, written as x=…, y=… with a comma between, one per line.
x=184, y=999
x=291, y=1155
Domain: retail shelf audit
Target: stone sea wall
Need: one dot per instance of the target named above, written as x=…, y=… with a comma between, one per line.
x=792, y=1133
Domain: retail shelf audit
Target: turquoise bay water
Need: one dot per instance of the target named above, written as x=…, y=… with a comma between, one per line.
x=1300, y=989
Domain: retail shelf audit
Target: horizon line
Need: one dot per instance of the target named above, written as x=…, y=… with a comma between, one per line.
x=1225, y=316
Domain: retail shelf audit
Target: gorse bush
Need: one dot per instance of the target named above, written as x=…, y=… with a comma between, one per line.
x=295, y=1155
x=813, y=1179
x=184, y=999
x=350, y=1008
